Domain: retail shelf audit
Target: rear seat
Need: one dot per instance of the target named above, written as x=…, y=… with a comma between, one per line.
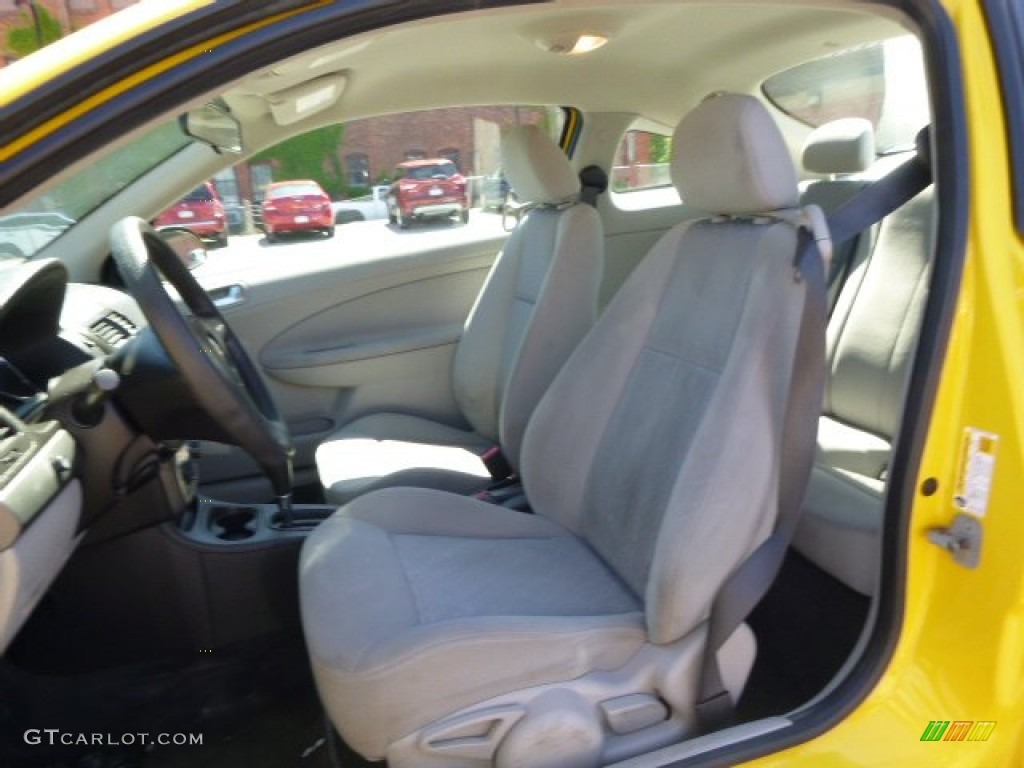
x=872, y=333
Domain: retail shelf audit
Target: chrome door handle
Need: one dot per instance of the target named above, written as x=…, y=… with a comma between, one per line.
x=228, y=296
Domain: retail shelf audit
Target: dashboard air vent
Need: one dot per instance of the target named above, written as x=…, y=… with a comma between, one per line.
x=113, y=329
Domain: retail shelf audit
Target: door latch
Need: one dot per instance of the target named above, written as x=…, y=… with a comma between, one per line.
x=962, y=540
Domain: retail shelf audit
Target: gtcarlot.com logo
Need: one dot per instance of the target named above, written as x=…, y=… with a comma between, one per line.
x=54, y=736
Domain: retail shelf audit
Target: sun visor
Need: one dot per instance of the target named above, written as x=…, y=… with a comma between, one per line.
x=301, y=101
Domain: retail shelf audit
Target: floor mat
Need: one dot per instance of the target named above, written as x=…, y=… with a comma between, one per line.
x=254, y=706
x=806, y=627
x=291, y=733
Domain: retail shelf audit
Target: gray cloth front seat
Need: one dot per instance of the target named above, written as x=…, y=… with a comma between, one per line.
x=446, y=631
x=538, y=301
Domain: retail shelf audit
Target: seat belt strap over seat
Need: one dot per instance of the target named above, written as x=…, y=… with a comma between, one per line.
x=746, y=586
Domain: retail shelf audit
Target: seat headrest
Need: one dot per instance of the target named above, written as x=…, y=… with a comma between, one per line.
x=728, y=157
x=536, y=168
x=841, y=146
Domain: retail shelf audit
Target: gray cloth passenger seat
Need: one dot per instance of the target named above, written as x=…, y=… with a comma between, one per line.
x=872, y=334
x=539, y=300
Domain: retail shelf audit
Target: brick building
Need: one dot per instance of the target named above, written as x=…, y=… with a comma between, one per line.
x=467, y=136
x=69, y=15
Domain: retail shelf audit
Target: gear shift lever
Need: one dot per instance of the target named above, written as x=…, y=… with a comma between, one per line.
x=285, y=511
x=280, y=475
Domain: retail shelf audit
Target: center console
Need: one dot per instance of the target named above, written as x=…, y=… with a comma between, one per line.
x=221, y=523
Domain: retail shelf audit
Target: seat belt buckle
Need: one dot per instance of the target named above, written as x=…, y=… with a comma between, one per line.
x=496, y=462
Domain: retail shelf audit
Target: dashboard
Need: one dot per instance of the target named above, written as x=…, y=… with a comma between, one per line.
x=54, y=337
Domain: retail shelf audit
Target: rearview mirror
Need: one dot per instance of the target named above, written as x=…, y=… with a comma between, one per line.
x=214, y=124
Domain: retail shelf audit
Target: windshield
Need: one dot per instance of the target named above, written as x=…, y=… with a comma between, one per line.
x=201, y=194
x=36, y=223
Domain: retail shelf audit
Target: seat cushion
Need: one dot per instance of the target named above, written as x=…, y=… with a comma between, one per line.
x=399, y=637
x=393, y=449
x=852, y=450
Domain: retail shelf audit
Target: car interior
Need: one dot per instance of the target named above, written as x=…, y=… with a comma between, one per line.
x=455, y=495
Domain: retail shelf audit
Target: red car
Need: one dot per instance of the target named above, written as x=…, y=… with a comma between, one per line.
x=297, y=206
x=427, y=188
x=201, y=212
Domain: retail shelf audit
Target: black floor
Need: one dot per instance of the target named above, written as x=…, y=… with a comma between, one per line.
x=253, y=706
x=806, y=627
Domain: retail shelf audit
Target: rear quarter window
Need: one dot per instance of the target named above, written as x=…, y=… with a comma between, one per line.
x=882, y=82
x=642, y=161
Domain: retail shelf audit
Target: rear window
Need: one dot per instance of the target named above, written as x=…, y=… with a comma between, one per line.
x=295, y=190
x=425, y=172
x=882, y=82
x=199, y=195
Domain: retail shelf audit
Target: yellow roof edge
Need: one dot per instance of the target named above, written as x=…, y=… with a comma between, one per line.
x=48, y=63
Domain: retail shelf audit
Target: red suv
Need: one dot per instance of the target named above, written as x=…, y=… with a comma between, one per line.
x=426, y=188
x=297, y=206
x=201, y=212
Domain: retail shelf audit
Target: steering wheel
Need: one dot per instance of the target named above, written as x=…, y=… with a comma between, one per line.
x=212, y=361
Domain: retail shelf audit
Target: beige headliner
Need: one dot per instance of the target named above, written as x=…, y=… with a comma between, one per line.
x=663, y=56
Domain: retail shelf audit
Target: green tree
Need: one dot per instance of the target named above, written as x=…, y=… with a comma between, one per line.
x=23, y=38
x=312, y=155
x=661, y=148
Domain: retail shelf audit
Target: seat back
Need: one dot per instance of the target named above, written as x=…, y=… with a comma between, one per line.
x=872, y=332
x=879, y=304
x=840, y=150
x=539, y=299
x=660, y=440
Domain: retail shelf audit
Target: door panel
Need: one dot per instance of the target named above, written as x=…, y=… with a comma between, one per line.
x=340, y=336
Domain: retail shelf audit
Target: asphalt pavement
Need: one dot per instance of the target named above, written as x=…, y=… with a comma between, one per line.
x=253, y=255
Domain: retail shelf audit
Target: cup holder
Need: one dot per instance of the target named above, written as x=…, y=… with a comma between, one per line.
x=234, y=523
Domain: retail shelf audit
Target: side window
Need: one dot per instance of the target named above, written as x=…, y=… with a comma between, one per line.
x=640, y=177
x=641, y=162
x=357, y=169
x=227, y=186
x=453, y=154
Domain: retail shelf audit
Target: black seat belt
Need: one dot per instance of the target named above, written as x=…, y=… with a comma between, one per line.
x=875, y=202
x=593, y=182
x=747, y=585
x=743, y=590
